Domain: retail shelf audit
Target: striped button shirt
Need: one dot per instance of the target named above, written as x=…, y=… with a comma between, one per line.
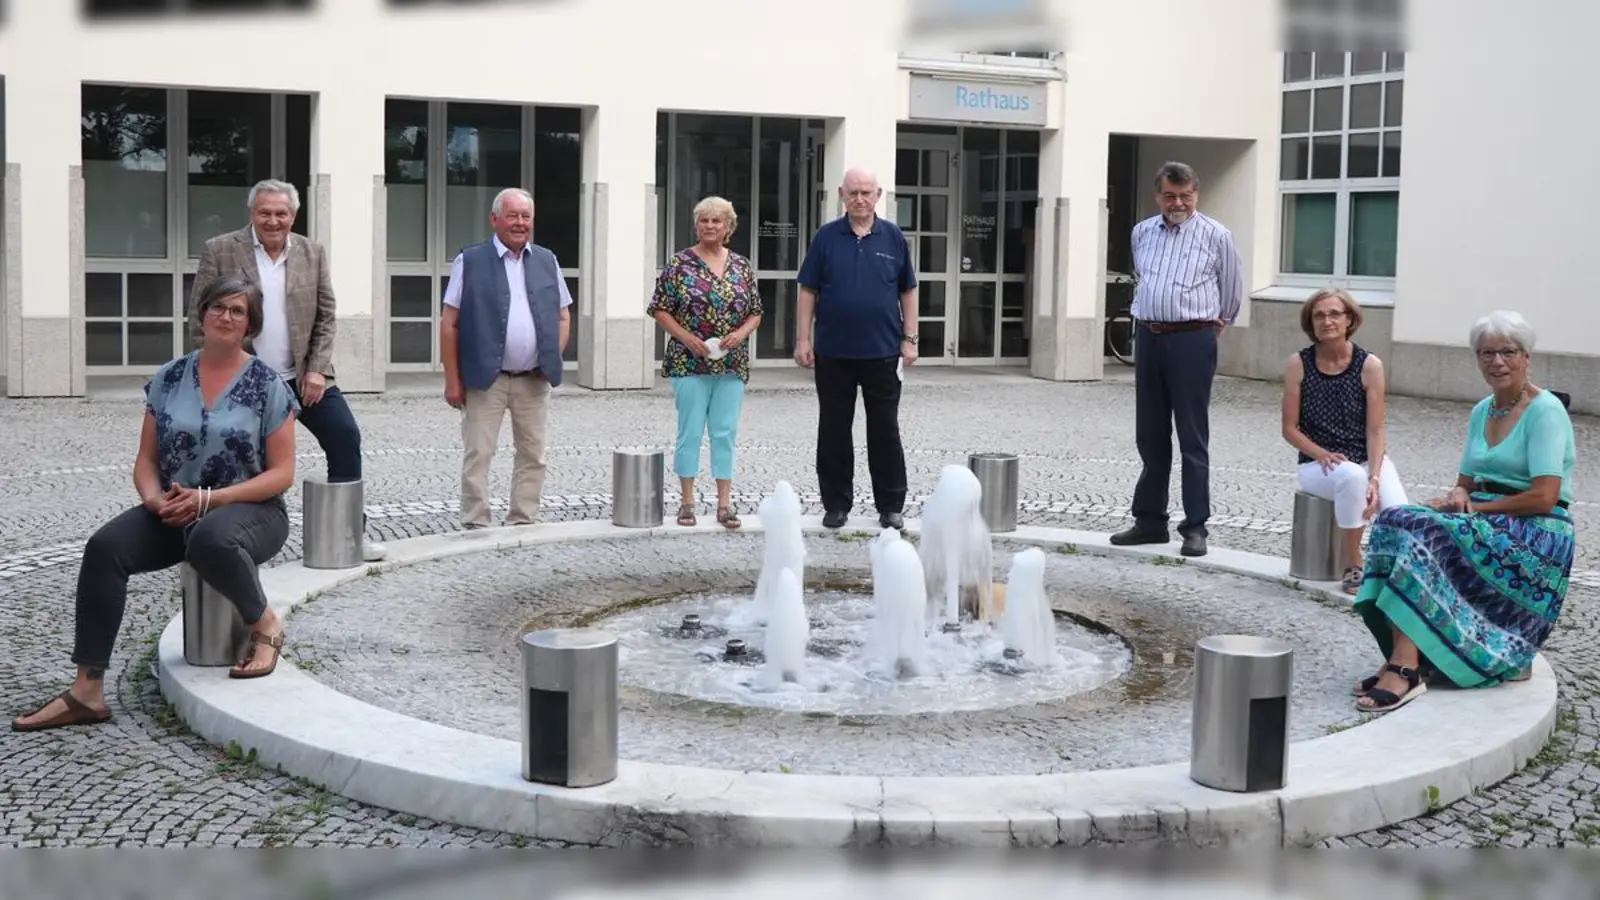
x=1186, y=272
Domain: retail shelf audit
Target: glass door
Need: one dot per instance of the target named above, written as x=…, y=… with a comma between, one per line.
x=999, y=192
x=925, y=209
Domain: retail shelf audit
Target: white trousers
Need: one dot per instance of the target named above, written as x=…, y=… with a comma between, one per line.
x=1346, y=486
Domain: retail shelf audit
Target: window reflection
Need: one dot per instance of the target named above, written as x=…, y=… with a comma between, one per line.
x=124, y=143
x=230, y=149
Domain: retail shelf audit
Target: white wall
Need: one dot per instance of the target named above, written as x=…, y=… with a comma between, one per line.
x=1495, y=211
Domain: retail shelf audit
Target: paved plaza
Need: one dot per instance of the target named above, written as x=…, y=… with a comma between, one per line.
x=144, y=779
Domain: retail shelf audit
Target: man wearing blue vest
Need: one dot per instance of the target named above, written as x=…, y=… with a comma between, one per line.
x=504, y=326
x=859, y=282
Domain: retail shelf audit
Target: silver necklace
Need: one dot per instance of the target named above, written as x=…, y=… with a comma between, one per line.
x=1498, y=412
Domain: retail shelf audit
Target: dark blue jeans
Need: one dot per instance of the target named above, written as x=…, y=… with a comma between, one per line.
x=334, y=426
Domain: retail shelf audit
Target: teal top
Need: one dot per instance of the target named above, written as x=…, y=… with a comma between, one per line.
x=225, y=444
x=1539, y=444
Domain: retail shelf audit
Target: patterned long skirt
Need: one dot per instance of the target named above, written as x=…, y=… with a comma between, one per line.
x=1478, y=593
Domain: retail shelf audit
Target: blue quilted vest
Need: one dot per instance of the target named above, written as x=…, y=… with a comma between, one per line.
x=486, y=304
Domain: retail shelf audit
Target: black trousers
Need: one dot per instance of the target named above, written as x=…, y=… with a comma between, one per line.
x=332, y=423
x=225, y=547
x=1172, y=386
x=878, y=381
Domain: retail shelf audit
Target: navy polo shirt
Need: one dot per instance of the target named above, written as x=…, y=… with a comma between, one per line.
x=858, y=282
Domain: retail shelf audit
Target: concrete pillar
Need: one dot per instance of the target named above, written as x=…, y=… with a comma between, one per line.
x=616, y=250
x=1069, y=304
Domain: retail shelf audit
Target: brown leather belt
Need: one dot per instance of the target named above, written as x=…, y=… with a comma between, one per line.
x=1172, y=327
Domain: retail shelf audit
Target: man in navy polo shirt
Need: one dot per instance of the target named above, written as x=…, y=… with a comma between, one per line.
x=858, y=280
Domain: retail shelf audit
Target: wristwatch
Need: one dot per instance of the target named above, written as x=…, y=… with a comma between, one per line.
x=909, y=339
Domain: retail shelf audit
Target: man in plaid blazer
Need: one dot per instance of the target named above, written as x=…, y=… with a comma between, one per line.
x=298, y=319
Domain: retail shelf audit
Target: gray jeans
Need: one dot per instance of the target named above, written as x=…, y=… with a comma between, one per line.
x=225, y=548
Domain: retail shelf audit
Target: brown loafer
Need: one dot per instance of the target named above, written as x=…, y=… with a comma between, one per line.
x=76, y=713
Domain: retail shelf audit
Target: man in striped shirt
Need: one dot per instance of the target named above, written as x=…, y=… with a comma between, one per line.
x=1190, y=287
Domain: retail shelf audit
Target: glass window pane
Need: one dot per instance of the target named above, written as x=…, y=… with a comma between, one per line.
x=411, y=297
x=715, y=154
x=936, y=168
x=975, y=306
x=930, y=340
x=1296, y=67
x=905, y=167
x=1325, y=156
x=933, y=256
x=1374, y=233
x=1362, y=161
x=1393, y=103
x=1295, y=161
x=1308, y=233
x=1366, y=63
x=1014, y=300
x=230, y=149
x=482, y=157
x=558, y=181
x=405, y=178
x=1296, y=112
x=150, y=343
x=1019, y=222
x=149, y=295
x=102, y=343
x=1022, y=162
x=102, y=295
x=775, y=337
x=124, y=143
x=980, y=200
x=1366, y=101
x=935, y=214
x=1397, y=62
x=1329, y=113
x=1391, y=154
x=930, y=300
x=663, y=220
x=1014, y=339
x=410, y=342
x=783, y=172
x=905, y=211
x=297, y=154
x=1330, y=64
x=571, y=353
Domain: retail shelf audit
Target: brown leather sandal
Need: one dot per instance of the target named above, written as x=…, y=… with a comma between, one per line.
x=727, y=519
x=686, y=516
x=275, y=642
x=76, y=713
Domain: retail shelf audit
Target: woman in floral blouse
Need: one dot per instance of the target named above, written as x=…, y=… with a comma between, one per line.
x=707, y=301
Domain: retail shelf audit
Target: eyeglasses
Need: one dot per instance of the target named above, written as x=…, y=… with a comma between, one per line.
x=236, y=313
x=1329, y=315
x=1489, y=356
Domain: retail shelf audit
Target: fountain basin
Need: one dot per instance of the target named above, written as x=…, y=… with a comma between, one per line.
x=1436, y=752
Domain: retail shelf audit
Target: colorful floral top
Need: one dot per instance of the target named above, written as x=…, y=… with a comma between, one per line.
x=708, y=307
x=221, y=446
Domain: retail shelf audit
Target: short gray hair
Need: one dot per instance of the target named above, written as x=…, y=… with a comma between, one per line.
x=499, y=204
x=1505, y=325
x=274, y=186
x=1180, y=174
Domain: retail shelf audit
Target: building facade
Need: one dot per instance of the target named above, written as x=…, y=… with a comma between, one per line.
x=131, y=138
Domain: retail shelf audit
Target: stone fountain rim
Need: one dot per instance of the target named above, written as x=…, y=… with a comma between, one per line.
x=1384, y=771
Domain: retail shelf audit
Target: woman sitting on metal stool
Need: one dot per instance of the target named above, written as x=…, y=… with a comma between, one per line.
x=216, y=454
x=1333, y=399
x=1469, y=585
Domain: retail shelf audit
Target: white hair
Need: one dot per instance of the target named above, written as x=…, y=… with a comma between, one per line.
x=1505, y=325
x=499, y=204
x=274, y=186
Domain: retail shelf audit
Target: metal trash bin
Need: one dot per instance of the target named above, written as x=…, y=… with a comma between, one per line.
x=638, y=486
x=1316, y=546
x=1240, y=739
x=997, y=474
x=569, y=707
x=214, y=634
x=333, y=525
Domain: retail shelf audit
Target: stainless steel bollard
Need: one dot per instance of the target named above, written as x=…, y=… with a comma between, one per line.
x=569, y=707
x=638, y=485
x=1240, y=740
x=332, y=528
x=214, y=634
x=1316, y=547
x=997, y=474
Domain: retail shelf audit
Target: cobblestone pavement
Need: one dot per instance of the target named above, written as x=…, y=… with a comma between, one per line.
x=143, y=779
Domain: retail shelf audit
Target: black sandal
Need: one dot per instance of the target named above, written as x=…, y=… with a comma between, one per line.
x=727, y=519
x=1386, y=701
x=1352, y=580
x=686, y=516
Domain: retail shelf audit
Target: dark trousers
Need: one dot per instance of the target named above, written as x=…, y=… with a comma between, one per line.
x=334, y=426
x=838, y=380
x=1172, y=386
x=224, y=547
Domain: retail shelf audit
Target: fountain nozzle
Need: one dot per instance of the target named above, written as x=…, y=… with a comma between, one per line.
x=1013, y=653
x=951, y=628
x=735, y=648
x=691, y=622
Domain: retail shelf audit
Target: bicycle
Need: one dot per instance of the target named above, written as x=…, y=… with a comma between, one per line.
x=1119, y=316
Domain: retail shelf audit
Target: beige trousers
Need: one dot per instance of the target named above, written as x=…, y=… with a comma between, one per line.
x=528, y=399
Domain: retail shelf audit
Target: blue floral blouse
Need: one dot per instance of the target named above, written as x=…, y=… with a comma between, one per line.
x=221, y=446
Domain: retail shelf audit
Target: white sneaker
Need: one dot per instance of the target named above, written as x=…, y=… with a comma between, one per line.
x=372, y=551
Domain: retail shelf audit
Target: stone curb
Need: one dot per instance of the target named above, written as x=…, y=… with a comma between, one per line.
x=1389, y=769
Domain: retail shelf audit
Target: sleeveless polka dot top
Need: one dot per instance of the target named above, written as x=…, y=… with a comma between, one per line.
x=1333, y=408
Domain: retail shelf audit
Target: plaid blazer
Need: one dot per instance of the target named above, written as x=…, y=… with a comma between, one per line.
x=308, y=293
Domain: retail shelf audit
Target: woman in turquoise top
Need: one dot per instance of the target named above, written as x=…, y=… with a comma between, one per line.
x=1470, y=585
x=215, y=456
